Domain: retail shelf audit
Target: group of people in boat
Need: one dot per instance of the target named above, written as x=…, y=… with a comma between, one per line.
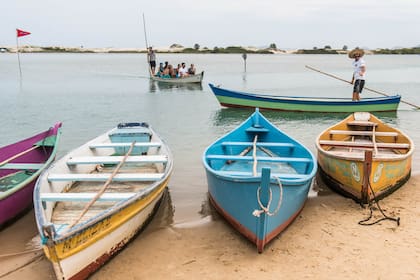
x=166, y=70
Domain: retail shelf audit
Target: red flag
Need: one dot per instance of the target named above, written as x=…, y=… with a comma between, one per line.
x=21, y=33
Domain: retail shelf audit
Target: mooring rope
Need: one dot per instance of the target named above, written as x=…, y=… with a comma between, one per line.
x=264, y=209
x=385, y=217
x=20, y=253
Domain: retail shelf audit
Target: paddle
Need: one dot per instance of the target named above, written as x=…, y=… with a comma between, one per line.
x=375, y=91
x=45, y=142
x=102, y=190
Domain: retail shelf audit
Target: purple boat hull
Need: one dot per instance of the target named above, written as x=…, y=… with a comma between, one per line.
x=20, y=165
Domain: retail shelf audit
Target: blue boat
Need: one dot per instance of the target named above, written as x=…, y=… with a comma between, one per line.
x=237, y=99
x=258, y=178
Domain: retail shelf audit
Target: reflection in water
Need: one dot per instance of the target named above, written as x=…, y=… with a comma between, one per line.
x=164, y=216
x=207, y=209
x=155, y=86
x=226, y=116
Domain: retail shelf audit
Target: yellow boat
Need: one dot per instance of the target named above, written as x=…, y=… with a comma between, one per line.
x=363, y=158
x=94, y=200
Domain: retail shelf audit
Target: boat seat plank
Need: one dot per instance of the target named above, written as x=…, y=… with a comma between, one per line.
x=84, y=196
x=362, y=123
x=117, y=159
x=279, y=175
x=365, y=144
x=117, y=145
x=256, y=129
x=99, y=177
x=364, y=133
x=22, y=166
x=265, y=159
x=259, y=144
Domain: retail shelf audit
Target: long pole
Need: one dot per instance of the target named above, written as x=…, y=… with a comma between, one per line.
x=375, y=91
x=145, y=34
x=17, y=51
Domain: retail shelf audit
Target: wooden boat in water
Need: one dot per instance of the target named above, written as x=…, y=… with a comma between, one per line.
x=230, y=98
x=258, y=178
x=94, y=200
x=364, y=158
x=20, y=165
x=191, y=79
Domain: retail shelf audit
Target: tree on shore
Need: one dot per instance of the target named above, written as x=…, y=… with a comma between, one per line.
x=196, y=46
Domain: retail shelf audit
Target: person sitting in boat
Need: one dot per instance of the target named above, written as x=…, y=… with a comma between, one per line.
x=165, y=73
x=172, y=72
x=191, y=70
x=160, y=70
x=182, y=70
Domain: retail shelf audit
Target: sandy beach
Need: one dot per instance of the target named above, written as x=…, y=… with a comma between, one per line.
x=324, y=242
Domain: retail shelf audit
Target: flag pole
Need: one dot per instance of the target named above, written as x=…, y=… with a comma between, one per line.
x=17, y=52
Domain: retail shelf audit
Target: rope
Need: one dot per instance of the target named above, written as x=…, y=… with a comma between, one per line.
x=20, y=253
x=385, y=217
x=102, y=190
x=254, y=155
x=264, y=209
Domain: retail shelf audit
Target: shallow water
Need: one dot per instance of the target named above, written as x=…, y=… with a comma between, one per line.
x=91, y=93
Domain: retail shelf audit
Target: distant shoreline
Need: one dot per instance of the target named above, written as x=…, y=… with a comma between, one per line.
x=216, y=50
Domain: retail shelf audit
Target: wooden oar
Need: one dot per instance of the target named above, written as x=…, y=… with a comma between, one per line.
x=18, y=155
x=375, y=91
x=102, y=190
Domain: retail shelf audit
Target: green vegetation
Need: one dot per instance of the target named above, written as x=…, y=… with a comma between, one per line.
x=415, y=50
x=317, y=51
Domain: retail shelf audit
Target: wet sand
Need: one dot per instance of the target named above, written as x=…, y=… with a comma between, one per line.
x=324, y=242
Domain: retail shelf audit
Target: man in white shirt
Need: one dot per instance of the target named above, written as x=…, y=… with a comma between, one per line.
x=359, y=73
x=183, y=71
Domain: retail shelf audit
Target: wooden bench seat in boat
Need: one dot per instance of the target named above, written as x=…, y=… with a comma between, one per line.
x=363, y=133
x=258, y=144
x=279, y=175
x=362, y=123
x=22, y=166
x=119, y=145
x=117, y=159
x=84, y=196
x=102, y=177
x=250, y=158
x=365, y=144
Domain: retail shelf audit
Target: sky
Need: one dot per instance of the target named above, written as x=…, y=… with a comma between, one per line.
x=293, y=24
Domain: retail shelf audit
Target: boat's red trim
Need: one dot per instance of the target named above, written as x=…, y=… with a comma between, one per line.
x=249, y=234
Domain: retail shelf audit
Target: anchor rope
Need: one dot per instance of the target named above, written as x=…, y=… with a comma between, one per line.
x=385, y=217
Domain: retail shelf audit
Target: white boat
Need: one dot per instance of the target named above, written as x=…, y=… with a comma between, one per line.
x=94, y=200
x=198, y=78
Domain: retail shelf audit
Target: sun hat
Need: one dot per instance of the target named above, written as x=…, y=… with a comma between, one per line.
x=356, y=51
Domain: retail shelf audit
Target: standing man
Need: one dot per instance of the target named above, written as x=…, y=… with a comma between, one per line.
x=151, y=58
x=358, y=79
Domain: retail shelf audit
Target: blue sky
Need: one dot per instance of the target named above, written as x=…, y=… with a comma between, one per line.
x=289, y=24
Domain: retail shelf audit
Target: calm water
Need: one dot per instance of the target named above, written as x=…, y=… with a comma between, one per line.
x=91, y=93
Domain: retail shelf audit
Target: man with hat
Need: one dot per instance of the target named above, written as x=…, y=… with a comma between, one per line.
x=358, y=79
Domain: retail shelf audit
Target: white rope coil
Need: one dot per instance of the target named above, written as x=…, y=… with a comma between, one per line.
x=266, y=209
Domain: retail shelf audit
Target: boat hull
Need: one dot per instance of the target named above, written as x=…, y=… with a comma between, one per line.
x=90, y=203
x=16, y=198
x=191, y=79
x=113, y=233
x=347, y=176
x=224, y=197
x=364, y=159
x=261, y=189
x=235, y=99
